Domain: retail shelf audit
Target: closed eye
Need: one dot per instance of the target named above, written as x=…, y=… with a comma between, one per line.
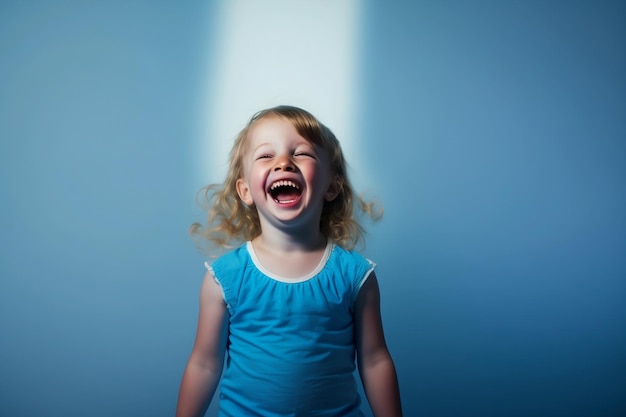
x=310, y=155
x=264, y=156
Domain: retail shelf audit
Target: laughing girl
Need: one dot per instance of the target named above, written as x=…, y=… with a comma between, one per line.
x=290, y=312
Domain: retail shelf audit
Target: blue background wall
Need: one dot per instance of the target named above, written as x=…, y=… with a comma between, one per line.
x=498, y=135
x=499, y=129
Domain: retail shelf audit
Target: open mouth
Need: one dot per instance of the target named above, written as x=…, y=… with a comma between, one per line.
x=285, y=191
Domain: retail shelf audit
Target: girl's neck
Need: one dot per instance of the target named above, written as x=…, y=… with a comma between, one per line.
x=278, y=241
x=303, y=237
x=289, y=258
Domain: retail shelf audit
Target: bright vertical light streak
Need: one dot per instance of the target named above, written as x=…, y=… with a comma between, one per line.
x=302, y=53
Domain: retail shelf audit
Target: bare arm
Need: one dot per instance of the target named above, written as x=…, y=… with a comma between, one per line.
x=376, y=367
x=205, y=364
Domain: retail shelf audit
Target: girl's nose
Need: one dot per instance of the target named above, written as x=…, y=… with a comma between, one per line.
x=284, y=163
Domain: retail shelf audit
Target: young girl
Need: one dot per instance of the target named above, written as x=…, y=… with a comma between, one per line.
x=293, y=305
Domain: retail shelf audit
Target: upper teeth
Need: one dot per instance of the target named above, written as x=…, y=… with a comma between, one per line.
x=284, y=183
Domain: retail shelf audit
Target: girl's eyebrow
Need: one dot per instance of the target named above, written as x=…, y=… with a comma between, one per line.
x=260, y=146
x=302, y=142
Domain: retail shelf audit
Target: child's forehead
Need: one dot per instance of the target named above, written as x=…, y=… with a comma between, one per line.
x=271, y=129
x=271, y=123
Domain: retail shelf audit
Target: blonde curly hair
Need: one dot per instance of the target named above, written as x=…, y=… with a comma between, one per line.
x=230, y=220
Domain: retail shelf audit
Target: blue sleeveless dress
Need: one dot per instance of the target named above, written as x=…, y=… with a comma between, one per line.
x=290, y=348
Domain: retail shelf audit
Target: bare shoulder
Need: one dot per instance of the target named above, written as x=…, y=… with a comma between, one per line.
x=368, y=322
x=212, y=319
x=211, y=290
x=369, y=294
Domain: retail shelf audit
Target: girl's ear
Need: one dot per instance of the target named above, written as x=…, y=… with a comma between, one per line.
x=333, y=190
x=244, y=192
